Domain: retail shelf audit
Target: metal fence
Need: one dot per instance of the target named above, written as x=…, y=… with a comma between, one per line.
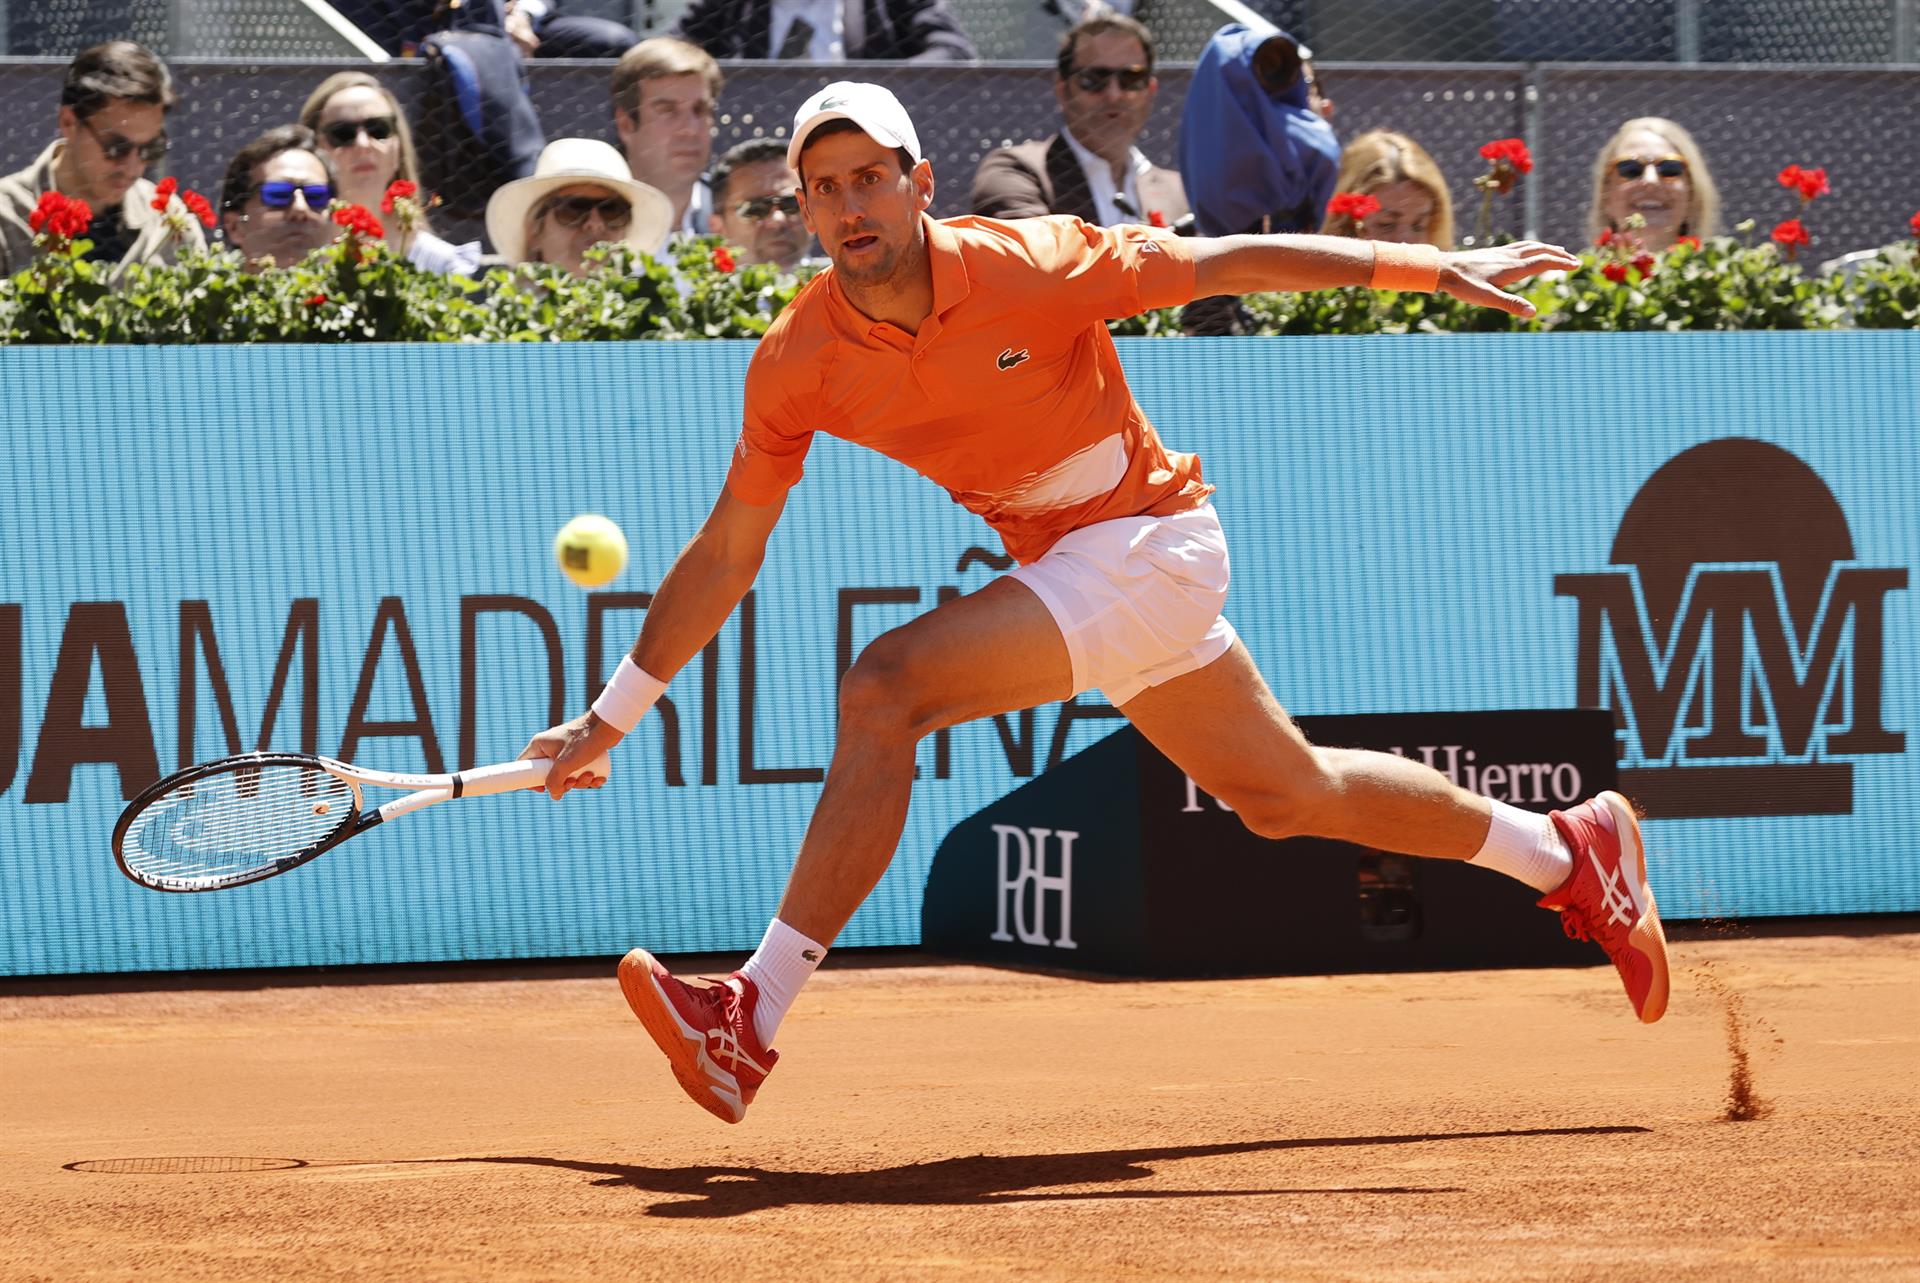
x=1862, y=123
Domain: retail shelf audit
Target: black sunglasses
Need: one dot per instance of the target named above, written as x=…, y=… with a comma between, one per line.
x=342, y=133
x=761, y=208
x=280, y=195
x=1094, y=79
x=1631, y=167
x=571, y=211
x=116, y=149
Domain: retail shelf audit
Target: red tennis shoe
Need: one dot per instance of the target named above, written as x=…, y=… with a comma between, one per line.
x=706, y=1032
x=1606, y=898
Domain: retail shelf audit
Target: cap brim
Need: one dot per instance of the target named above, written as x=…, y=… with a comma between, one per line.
x=885, y=137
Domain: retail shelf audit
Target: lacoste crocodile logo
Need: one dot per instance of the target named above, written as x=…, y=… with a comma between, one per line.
x=1010, y=358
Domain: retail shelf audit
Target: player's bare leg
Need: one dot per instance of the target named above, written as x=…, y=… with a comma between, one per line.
x=991, y=652
x=1223, y=727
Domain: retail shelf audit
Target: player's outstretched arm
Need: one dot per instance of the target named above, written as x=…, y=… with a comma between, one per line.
x=1253, y=264
x=706, y=582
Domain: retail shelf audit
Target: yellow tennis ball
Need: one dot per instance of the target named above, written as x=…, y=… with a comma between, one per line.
x=591, y=550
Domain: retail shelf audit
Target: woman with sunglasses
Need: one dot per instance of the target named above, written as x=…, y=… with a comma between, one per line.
x=363, y=131
x=580, y=194
x=1651, y=168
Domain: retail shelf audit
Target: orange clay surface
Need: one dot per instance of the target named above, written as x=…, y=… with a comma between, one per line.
x=943, y=1122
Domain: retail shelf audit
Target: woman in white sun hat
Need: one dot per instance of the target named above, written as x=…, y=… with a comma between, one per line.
x=580, y=194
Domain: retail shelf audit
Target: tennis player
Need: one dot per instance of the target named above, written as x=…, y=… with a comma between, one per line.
x=974, y=352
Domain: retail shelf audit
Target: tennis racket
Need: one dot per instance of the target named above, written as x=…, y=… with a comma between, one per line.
x=244, y=819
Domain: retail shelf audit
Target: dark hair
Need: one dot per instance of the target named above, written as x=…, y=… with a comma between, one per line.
x=1094, y=26
x=117, y=69
x=238, y=184
x=750, y=152
x=845, y=126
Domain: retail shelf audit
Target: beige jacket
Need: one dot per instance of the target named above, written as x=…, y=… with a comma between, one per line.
x=153, y=241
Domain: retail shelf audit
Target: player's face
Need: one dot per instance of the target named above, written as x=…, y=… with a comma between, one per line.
x=1107, y=119
x=284, y=234
x=1405, y=214
x=668, y=141
x=121, y=126
x=754, y=218
x=864, y=210
x=1662, y=202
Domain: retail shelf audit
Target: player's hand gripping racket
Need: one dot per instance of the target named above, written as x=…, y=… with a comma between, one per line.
x=241, y=819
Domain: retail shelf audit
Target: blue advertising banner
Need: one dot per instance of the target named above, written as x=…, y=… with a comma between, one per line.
x=348, y=550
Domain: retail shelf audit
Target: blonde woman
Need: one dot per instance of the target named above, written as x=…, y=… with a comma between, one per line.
x=362, y=130
x=1652, y=168
x=1415, y=207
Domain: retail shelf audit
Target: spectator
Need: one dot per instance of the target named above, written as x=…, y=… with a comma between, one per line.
x=274, y=198
x=1255, y=154
x=581, y=194
x=827, y=30
x=113, y=125
x=1104, y=83
x=664, y=91
x=1652, y=168
x=1415, y=206
x=755, y=207
x=361, y=129
x=542, y=31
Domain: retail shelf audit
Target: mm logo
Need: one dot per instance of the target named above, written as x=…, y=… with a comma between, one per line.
x=1741, y=648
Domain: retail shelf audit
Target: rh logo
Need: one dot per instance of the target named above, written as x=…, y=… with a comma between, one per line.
x=1025, y=885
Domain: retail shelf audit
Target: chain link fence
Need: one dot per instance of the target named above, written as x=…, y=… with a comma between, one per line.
x=1818, y=82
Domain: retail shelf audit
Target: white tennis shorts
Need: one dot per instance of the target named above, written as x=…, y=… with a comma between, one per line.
x=1138, y=599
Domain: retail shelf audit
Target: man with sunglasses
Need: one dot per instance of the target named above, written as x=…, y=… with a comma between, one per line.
x=113, y=128
x=273, y=201
x=1105, y=86
x=754, y=204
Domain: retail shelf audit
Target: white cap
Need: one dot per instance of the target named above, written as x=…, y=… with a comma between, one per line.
x=877, y=112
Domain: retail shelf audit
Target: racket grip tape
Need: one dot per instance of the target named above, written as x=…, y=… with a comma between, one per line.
x=509, y=777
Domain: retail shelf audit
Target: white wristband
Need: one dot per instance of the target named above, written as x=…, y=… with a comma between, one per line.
x=628, y=696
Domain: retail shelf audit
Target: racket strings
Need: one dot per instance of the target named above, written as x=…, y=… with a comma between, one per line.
x=235, y=822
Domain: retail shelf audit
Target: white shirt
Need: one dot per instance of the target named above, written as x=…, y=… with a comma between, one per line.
x=1100, y=182
x=696, y=221
x=824, y=16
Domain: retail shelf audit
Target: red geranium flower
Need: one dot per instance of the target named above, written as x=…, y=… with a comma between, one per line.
x=163, y=192
x=1156, y=218
x=398, y=189
x=358, y=221
x=1605, y=238
x=1914, y=223
x=1615, y=272
x=197, y=206
x=61, y=217
x=1644, y=264
x=316, y=300
x=1691, y=242
x=1808, y=182
x=1355, y=205
x=1792, y=232
x=723, y=259
x=1512, y=151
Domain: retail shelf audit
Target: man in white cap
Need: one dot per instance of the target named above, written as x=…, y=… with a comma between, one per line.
x=580, y=194
x=976, y=352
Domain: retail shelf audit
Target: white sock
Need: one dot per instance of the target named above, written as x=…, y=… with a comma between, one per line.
x=1526, y=846
x=784, y=961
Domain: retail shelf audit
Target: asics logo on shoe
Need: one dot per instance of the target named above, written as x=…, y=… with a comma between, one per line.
x=1614, y=896
x=1009, y=358
x=724, y=1046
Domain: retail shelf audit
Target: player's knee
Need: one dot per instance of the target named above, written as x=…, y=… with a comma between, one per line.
x=879, y=693
x=1289, y=807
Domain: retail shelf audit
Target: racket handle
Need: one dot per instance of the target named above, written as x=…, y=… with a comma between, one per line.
x=508, y=777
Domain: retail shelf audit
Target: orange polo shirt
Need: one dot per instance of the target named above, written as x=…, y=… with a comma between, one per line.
x=1011, y=395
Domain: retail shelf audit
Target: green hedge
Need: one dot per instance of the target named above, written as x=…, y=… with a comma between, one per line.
x=355, y=290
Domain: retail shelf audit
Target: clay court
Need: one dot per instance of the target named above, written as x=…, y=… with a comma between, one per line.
x=935, y=1121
